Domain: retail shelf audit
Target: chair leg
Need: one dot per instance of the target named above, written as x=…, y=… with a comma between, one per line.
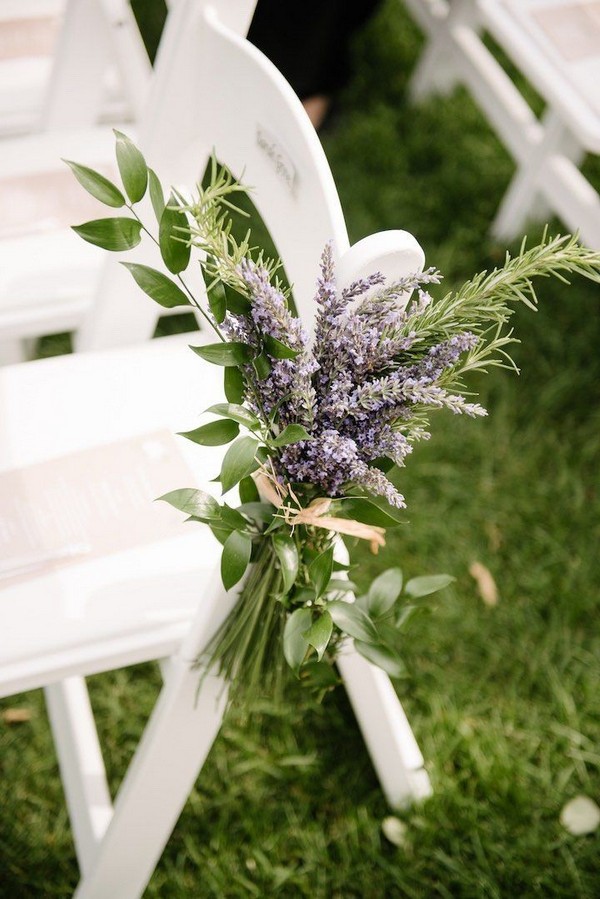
x=81, y=764
x=528, y=197
x=394, y=752
x=173, y=748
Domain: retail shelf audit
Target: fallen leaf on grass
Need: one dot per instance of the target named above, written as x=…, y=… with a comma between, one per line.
x=580, y=815
x=394, y=830
x=485, y=583
x=16, y=716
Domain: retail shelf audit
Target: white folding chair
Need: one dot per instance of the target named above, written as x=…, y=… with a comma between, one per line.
x=69, y=63
x=163, y=600
x=99, y=55
x=555, y=44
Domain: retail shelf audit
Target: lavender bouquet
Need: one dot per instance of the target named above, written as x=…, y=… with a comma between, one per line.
x=317, y=428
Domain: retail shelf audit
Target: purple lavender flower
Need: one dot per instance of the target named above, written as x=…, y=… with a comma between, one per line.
x=366, y=374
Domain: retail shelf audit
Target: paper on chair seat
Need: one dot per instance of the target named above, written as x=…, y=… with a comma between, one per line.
x=45, y=201
x=28, y=37
x=89, y=504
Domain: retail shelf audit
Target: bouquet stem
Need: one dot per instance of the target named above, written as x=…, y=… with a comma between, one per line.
x=247, y=650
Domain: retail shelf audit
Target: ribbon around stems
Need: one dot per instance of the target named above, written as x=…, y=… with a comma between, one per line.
x=315, y=514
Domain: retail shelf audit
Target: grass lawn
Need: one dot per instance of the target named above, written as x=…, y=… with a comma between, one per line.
x=504, y=700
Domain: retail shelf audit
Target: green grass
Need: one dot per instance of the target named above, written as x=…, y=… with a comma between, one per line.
x=504, y=700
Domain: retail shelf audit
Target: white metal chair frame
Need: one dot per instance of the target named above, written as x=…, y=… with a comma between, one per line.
x=108, y=394
x=548, y=153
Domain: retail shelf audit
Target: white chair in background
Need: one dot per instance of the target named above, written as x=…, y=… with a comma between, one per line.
x=28, y=34
x=100, y=70
x=555, y=44
x=69, y=63
x=163, y=600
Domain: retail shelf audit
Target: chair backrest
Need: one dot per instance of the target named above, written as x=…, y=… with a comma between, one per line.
x=213, y=89
x=99, y=39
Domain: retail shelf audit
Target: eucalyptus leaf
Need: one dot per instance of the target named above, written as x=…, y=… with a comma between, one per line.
x=371, y=512
x=216, y=301
x=262, y=367
x=233, y=518
x=319, y=634
x=239, y=462
x=220, y=531
x=97, y=185
x=291, y=434
x=260, y=512
x=382, y=656
x=353, y=621
x=114, y=234
x=319, y=571
x=287, y=554
x=235, y=558
x=383, y=592
x=227, y=354
x=427, y=584
x=233, y=385
x=172, y=234
x=276, y=349
x=249, y=492
x=237, y=413
x=216, y=433
x=194, y=502
x=319, y=676
x=132, y=167
x=158, y=286
x=236, y=302
x=157, y=198
x=295, y=644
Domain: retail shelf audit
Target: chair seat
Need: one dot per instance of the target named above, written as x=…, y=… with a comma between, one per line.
x=133, y=603
x=47, y=273
x=556, y=43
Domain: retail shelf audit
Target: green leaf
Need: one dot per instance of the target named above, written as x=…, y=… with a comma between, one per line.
x=159, y=287
x=262, y=367
x=383, y=592
x=227, y=354
x=157, y=198
x=132, y=166
x=171, y=238
x=287, y=554
x=216, y=301
x=429, y=583
x=291, y=434
x=115, y=234
x=237, y=413
x=236, y=302
x=319, y=633
x=261, y=512
x=320, y=570
x=233, y=385
x=249, y=492
x=216, y=433
x=382, y=656
x=368, y=511
x=235, y=558
x=239, y=462
x=97, y=185
x=319, y=676
x=295, y=644
x=353, y=621
x=278, y=350
x=233, y=518
x=221, y=532
x=194, y=502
